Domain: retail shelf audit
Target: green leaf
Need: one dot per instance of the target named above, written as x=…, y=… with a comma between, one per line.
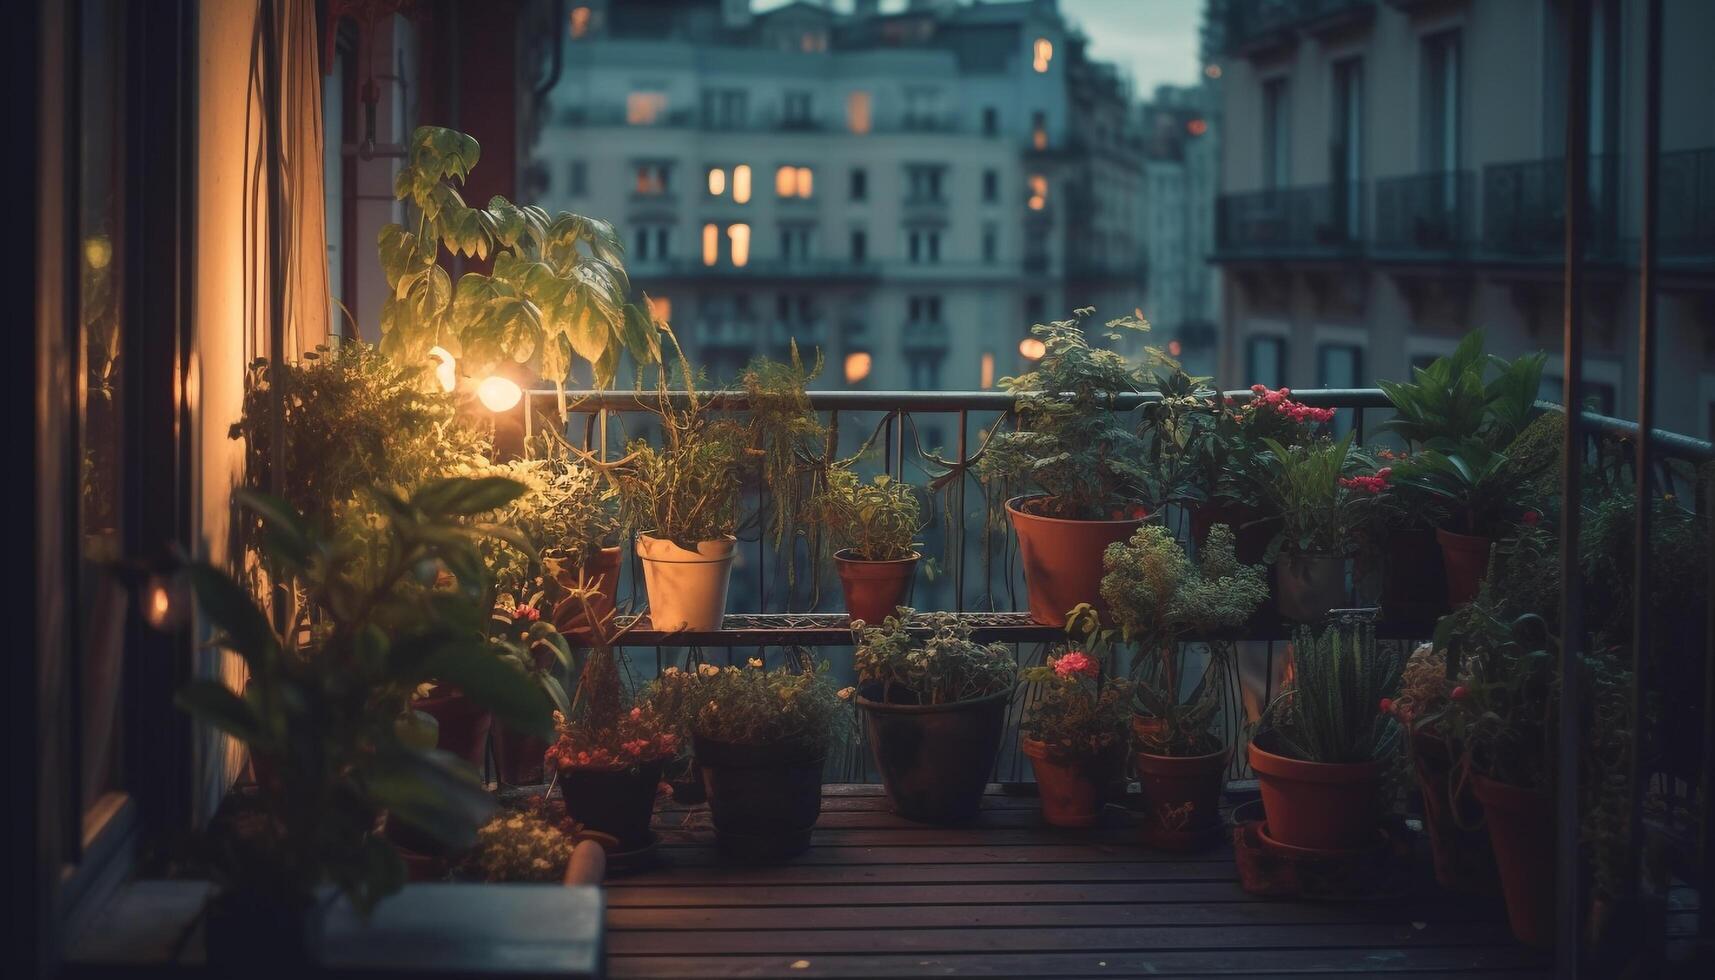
x=231, y=608
x=461, y=496
x=213, y=703
x=485, y=679
x=434, y=792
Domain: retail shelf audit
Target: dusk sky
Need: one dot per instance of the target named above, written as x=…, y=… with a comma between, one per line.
x=1154, y=40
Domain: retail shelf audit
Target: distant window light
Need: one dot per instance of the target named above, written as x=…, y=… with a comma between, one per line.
x=1038, y=192
x=652, y=179
x=858, y=364
x=717, y=181
x=644, y=108
x=660, y=309
x=1212, y=71
x=1197, y=127
x=987, y=379
x=741, y=183
x=790, y=181
x=1044, y=52
x=711, y=244
x=812, y=42
x=739, y=238
x=580, y=21
x=857, y=112
x=1039, y=130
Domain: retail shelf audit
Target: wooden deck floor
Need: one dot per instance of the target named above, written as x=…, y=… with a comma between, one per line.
x=878, y=896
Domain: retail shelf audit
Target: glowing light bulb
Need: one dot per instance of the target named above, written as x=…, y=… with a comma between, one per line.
x=446, y=368
x=499, y=394
x=858, y=364
x=1032, y=348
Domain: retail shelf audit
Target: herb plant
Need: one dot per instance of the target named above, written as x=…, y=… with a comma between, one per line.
x=1331, y=711
x=944, y=667
x=877, y=521
x=1071, y=445
x=1326, y=504
x=752, y=705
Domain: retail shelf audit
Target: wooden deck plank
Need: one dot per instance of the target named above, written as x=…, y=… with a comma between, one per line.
x=878, y=896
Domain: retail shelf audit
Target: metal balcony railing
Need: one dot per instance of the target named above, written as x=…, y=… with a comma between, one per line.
x=1321, y=220
x=1524, y=210
x=1687, y=229
x=920, y=436
x=1251, y=23
x=1425, y=215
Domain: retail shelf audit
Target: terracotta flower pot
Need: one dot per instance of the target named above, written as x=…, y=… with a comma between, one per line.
x=464, y=724
x=1063, y=559
x=600, y=571
x=874, y=588
x=1521, y=830
x=934, y=759
x=1181, y=795
x=1466, y=559
x=1318, y=805
x=1307, y=586
x=1073, y=786
x=617, y=802
x=764, y=799
x=687, y=589
x=1464, y=861
x=518, y=757
x=1414, y=577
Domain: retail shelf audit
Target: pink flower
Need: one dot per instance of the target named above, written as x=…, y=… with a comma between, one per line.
x=1387, y=706
x=1459, y=693
x=1532, y=518
x=1257, y=389
x=527, y=613
x=636, y=713
x=1077, y=662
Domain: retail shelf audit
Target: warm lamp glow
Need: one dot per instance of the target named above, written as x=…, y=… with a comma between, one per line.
x=739, y=237
x=1175, y=348
x=857, y=112
x=1044, y=53
x=1038, y=192
x=805, y=182
x=987, y=380
x=499, y=394
x=1197, y=127
x=446, y=369
x=741, y=183
x=1032, y=348
x=711, y=244
x=717, y=181
x=858, y=364
x=1213, y=71
x=660, y=309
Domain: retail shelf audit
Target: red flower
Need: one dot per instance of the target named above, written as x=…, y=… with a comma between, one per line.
x=1532, y=518
x=1459, y=693
x=528, y=614
x=1387, y=706
x=1367, y=484
x=1077, y=662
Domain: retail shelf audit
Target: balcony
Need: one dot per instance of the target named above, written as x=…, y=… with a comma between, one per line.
x=1087, y=268
x=1524, y=211
x=1260, y=28
x=762, y=270
x=1425, y=216
x=1687, y=222
x=1322, y=221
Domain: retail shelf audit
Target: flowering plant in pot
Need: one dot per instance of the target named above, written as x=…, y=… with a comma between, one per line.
x=682, y=497
x=527, y=642
x=1075, y=732
x=874, y=526
x=1160, y=599
x=1321, y=747
x=760, y=738
x=325, y=715
x=1328, y=507
x=1084, y=464
x=610, y=747
x=934, y=706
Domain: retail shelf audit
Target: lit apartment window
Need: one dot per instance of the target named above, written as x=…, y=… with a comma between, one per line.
x=987, y=372
x=660, y=309
x=991, y=185
x=790, y=181
x=857, y=112
x=580, y=21
x=645, y=108
x=653, y=178
x=738, y=238
x=1038, y=185
x=717, y=181
x=859, y=184
x=577, y=179
x=1043, y=52
x=711, y=244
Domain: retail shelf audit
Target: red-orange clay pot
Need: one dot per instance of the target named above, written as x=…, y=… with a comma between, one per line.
x=1181, y=794
x=600, y=570
x=1073, y=786
x=464, y=724
x=1318, y=805
x=1063, y=559
x=1521, y=830
x=874, y=589
x=1466, y=558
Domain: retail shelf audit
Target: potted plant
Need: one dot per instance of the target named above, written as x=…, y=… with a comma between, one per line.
x=1074, y=734
x=610, y=748
x=531, y=645
x=683, y=498
x=934, y=708
x=1479, y=487
x=1083, y=463
x=873, y=525
x=1159, y=599
x=760, y=738
x=325, y=712
x=1324, y=505
x=1322, y=745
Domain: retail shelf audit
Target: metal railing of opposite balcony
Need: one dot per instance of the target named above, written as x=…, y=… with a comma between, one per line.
x=1316, y=220
x=1425, y=215
x=902, y=433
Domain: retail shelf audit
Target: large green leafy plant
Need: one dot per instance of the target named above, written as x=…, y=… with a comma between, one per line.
x=556, y=286
x=1327, y=504
x=322, y=715
x=1467, y=395
x=1071, y=444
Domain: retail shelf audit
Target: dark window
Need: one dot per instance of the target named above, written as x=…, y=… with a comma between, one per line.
x=991, y=244
x=860, y=184
x=1340, y=366
x=577, y=179
x=923, y=182
x=1265, y=361
x=991, y=185
x=1440, y=140
x=1035, y=307
x=991, y=120
x=860, y=245
x=1276, y=135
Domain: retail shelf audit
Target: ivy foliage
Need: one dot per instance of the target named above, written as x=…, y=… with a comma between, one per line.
x=556, y=288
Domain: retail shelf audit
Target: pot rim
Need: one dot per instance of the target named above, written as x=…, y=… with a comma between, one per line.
x=1275, y=842
x=1223, y=755
x=680, y=556
x=813, y=753
x=1505, y=793
x=1038, y=749
x=1268, y=763
x=634, y=767
x=841, y=556
x=1012, y=508
x=884, y=707
x=1458, y=538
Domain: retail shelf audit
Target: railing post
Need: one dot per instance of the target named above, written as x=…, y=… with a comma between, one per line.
x=1577, y=199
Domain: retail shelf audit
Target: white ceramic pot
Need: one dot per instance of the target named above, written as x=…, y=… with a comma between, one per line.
x=687, y=589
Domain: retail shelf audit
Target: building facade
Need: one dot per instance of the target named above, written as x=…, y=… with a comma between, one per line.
x=1392, y=177
x=907, y=192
